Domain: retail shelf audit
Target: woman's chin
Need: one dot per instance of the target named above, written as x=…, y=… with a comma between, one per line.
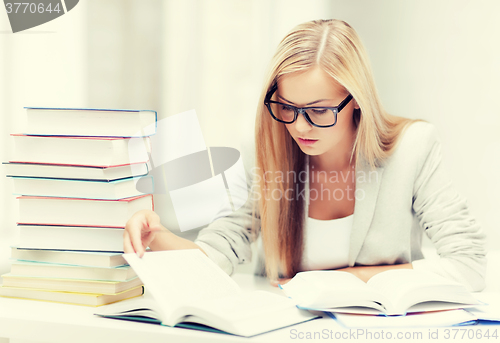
x=309, y=150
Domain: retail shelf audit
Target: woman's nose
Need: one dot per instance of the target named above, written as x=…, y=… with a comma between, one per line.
x=301, y=124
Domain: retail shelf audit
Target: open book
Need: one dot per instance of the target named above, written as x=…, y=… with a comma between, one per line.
x=393, y=292
x=185, y=288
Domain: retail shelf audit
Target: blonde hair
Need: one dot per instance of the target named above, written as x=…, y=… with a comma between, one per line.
x=334, y=46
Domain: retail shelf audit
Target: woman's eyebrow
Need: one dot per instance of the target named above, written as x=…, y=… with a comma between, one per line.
x=311, y=103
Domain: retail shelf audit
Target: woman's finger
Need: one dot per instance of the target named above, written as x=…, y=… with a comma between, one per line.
x=135, y=238
x=153, y=220
x=278, y=282
x=127, y=246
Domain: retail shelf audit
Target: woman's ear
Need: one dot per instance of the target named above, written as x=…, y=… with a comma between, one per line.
x=356, y=106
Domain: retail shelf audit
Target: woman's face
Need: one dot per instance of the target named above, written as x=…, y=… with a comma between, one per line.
x=315, y=87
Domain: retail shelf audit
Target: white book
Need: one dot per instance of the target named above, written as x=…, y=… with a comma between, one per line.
x=392, y=292
x=62, y=271
x=189, y=289
x=56, y=171
x=81, y=212
x=58, y=237
x=82, y=258
x=83, y=151
x=87, y=189
x=90, y=122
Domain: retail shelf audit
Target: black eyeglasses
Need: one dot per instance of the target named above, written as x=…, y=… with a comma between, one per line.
x=316, y=116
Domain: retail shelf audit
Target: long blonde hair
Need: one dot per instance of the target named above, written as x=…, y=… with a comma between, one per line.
x=334, y=46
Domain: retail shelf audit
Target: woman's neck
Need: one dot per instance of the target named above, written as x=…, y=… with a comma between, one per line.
x=337, y=159
x=328, y=163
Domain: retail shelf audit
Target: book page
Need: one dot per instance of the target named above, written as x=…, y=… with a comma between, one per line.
x=248, y=313
x=406, y=287
x=178, y=277
x=328, y=288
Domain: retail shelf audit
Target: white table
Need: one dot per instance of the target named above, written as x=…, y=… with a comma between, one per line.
x=36, y=321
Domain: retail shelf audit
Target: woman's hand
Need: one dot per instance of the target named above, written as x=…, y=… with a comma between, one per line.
x=144, y=229
x=140, y=231
x=365, y=273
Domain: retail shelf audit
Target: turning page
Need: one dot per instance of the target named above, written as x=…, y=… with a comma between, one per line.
x=179, y=277
x=328, y=288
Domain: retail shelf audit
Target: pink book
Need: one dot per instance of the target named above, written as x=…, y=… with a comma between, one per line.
x=80, y=151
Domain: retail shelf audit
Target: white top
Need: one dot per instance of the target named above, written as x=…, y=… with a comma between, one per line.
x=326, y=243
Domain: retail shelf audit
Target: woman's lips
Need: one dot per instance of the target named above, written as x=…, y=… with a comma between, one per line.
x=307, y=142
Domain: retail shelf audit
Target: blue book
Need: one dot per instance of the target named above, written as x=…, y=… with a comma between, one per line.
x=46, y=121
x=83, y=189
x=72, y=257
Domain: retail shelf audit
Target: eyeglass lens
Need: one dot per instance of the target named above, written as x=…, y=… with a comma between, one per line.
x=319, y=116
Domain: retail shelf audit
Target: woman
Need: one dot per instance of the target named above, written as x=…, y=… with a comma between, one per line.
x=374, y=182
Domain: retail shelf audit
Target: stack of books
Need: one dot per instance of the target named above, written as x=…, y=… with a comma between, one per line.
x=79, y=174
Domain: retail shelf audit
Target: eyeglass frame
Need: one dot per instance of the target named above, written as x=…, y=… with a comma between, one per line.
x=298, y=110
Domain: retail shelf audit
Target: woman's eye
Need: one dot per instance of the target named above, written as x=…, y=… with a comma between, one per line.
x=286, y=108
x=319, y=110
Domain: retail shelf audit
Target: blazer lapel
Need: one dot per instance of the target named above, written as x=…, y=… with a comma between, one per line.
x=367, y=188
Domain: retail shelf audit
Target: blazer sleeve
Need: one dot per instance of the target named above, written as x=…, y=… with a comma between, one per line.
x=444, y=215
x=227, y=239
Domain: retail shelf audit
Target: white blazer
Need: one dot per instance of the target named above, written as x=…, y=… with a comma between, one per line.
x=395, y=204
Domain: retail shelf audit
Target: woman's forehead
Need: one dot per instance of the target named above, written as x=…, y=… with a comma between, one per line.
x=308, y=86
